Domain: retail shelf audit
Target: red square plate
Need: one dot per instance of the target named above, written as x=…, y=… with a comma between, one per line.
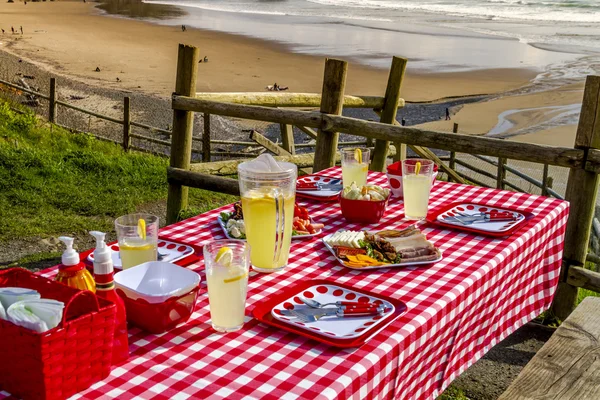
x=497, y=229
x=263, y=312
x=321, y=195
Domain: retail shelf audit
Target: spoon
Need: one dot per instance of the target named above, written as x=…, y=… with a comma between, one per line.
x=315, y=304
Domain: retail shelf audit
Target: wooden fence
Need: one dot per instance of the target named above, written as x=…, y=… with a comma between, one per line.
x=583, y=160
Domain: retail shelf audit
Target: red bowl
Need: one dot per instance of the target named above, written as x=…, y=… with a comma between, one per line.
x=363, y=211
x=160, y=317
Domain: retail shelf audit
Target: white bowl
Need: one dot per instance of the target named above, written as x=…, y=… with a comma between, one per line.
x=156, y=281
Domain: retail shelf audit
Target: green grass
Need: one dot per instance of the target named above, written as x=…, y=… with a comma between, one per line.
x=55, y=182
x=453, y=393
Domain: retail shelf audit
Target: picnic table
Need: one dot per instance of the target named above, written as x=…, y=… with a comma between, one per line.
x=482, y=290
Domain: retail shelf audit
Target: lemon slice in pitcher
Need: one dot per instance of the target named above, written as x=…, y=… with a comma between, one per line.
x=141, y=228
x=358, y=155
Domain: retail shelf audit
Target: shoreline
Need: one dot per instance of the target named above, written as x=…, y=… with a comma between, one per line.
x=71, y=39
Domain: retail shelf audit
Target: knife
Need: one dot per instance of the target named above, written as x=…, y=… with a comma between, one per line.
x=338, y=312
x=318, y=186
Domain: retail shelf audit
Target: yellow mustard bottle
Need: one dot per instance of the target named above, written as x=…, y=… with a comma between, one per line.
x=72, y=271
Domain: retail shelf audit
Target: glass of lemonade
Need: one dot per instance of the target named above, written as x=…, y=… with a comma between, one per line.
x=138, y=237
x=417, y=176
x=355, y=166
x=268, y=192
x=227, y=263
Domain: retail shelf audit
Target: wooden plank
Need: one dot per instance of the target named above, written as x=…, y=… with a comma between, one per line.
x=126, y=124
x=501, y=175
x=93, y=114
x=424, y=152
x=202, y=181
x=25, y=90
x=289, y=99
x=589, y=119
x=584, y=278
x=388, y=113
x=267, y=144
x=183, y=125
x=229, y=167
x=150, y=139
x=308, y=131
x=52, y=101
x=582, y=188
x=559, y=156
x=568, y=365
x=475, y=169
x=151, y=128
x=545, y=181
x=332, y=102
x=206, y=142
x=287, y=138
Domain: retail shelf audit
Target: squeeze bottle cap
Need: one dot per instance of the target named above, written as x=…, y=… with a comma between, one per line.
x=70, y=256
x=102, y=254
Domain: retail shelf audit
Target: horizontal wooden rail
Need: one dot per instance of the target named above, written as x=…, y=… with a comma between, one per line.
x=340, y=144
x=520, y=174
x=25, y=90
x=475, y=169
x=470, y=179
x=203, y=181
x=559, y=156
x=151, y=139
x=584, y=278
x=93, y=114
x=512, y=185
x=236, y=142
x=151, y=128
x=280, y=99
x=230, y=154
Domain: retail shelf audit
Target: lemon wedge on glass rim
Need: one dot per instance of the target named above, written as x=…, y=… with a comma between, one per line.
x=358, y=155
x=141, y=228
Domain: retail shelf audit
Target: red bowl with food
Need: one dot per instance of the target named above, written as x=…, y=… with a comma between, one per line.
x=394, y=175
x=363, y=211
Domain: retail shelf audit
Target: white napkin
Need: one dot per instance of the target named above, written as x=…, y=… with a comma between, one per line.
x=38, y=315
x=2, y=312
x=264, y=163
x=10, y=295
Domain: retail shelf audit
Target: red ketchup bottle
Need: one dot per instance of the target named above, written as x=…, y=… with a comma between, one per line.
x=105, y=287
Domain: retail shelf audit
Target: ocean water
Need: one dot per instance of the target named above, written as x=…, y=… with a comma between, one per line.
x=559, y=38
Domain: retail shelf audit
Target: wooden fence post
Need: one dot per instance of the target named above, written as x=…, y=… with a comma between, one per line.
x=206, y=139
x=452, y=161
x=501, y=176
x=52, y=101
x=332, y=102
x=183, y=125
x=287, y=138
x=545, y=181
x=388, y=114
x=582, y=188
x=126, y=124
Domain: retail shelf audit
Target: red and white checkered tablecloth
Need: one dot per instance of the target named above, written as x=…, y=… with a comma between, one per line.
x=458, y=308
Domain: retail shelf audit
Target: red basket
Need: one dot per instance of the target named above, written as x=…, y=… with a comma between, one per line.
x=62, y=361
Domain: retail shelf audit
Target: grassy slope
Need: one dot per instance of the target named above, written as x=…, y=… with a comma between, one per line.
x=55, y=182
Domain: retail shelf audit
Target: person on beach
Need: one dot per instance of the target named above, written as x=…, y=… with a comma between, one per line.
x=12, y=28
x=21, y=30
x=183, y=28
x=3, y=31
x=447, y=114
x=275, y=86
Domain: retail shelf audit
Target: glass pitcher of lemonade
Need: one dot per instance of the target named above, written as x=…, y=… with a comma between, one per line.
x=138, y=238
x=268, y=192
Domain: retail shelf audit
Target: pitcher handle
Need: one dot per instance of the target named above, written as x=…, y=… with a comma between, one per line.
x=279, y=225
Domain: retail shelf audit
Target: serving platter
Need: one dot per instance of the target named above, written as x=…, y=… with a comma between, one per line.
x=406, y=264
x=294, y=237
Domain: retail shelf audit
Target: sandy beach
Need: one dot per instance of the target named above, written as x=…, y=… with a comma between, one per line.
x=73, y=38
